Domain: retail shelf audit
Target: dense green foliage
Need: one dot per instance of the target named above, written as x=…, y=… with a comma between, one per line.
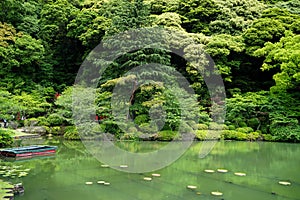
x=5, y=137
x=254, y=44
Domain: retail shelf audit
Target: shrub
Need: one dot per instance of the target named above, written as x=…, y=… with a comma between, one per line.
x=42, y=121
x=147, y=128
x=268, y=137
x=131, y=136
x=30, y=122
x=245, y=129
x=167, y=135
x=233, y=135
x=71, y=133
x=202, y=127
x=242, y=124
x=253, y=136
x=253, y=123
x=55, y=119
x=140, y=119
x=285, y=129
x=231, y=127
x=201, y=134
x=112, y=127
x=56, y=130
x=185, y=128
x=216, y=126
x=6, y=139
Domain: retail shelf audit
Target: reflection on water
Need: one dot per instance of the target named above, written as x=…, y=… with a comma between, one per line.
x=64, y=176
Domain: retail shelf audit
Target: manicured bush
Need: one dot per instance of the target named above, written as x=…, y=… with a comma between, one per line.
x=167, y=135
x=202, y=127
x=253, y=136
x=201, y=134
x=268, y=137
x=140, y=119
x=216, y=126
x=71, y=133
x=55, y=119
x=147, y=128
x=6, y=139
x=245, y=129
x=233, y=135
x=31, y=122
x=185, y=128
x=231, y=127
x=131, y=136
x=253, y=123
x=56, y=130
x=42, y=121
x=285, y=129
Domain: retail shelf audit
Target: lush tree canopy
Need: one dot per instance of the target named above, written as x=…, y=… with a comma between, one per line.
x=254, y=45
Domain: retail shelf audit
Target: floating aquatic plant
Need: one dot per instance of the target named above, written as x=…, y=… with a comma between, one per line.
x=13, y=171
x=6, y=189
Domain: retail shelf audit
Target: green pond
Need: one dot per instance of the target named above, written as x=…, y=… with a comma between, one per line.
x=64, y=175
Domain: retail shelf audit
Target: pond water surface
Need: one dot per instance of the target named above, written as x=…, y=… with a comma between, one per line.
x=64, y=176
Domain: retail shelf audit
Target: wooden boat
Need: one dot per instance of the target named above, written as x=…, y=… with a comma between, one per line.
x=29, y=151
